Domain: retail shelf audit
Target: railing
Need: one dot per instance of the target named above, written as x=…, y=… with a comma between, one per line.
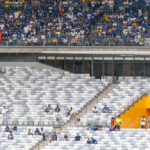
x=89, y=42
x=77, y=47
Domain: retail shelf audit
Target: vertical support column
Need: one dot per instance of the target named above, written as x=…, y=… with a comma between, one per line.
x=92, y=67
x=46, y=60
x=123, y=68
x=55, y=61
x=74, y=64
x=113, y=70
x=103, y=68
x=65, y=63
x=82, y=64
x=133, y=67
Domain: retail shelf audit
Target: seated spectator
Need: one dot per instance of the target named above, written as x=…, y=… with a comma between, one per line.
x=112, y=121
x=88, y=141
x=95, y=127
x=95, y=110
x=30, y=132
x=104, y=110
x=43, y=133
x=77, y=137
x=4, y=110
x=89, y=127
x=65, y=137
x=93, y=141
x=70, y=112
x=37, y=132
x=48, y=108
x=118, y=123
x=112, y=125
x=7, y=129
x=54, y=137
x=14, y=128
x=10, y=136
x=109, y=110
x=57, y=109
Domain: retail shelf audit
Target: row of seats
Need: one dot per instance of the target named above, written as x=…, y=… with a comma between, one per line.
x=125, y=139
x=118, y=99
x=27, y=91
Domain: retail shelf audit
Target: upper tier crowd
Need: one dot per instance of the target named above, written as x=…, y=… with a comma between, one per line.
x=74, y=22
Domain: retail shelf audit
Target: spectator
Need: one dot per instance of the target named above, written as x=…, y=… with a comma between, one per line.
x=14, y=128
x=118, y=123
x=30, y=132
x=48, y=108
x=109, y=110
x=65, y=137
x=112, y=125
x=70, y=112
x=88, y=141
x=95, y=110
x=89, y=127
x=112, y=121
x=10, y=136
x=104, y=110
x=77, y=137
x=57, y=109
x=43, y=133
x=7, y=129
x=143, y=121
x=37, y=132
x=54, y=137
x=95, y=127
x=0, y=37
x=4, y=111
x=93, y=141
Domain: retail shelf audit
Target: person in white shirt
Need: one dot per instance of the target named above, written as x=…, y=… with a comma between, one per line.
x=4, y=111
x=95, y=110
x=43, y=133
x=148, y=122
x=143, y=120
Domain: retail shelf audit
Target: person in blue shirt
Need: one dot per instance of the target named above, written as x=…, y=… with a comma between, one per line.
x=37, y=132
x=104, y=110
x=10, y=136
x=89, y=127
x=54, y=137
x=93, y=141
x=109, y=110
x=14, y=128
x=88, y=141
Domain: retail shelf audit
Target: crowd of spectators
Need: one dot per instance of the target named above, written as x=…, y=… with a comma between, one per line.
x=123, y=22
x=74, y=22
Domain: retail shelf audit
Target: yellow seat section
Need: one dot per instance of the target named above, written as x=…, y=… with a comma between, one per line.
x=132, y=117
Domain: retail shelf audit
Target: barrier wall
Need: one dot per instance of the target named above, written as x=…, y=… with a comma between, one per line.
x=132, y=117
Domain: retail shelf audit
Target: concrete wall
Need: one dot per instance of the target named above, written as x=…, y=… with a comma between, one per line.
x=132, y=117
